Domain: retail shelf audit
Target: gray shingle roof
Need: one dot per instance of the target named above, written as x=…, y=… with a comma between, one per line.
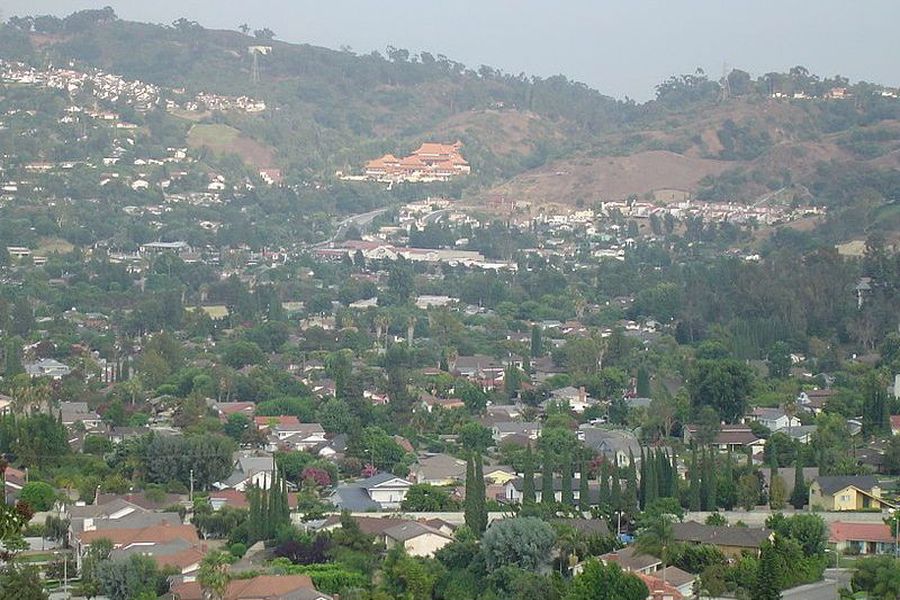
x=832, y=484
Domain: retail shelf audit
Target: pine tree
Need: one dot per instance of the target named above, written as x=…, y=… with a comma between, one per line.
x=481, y=516
x=547, y=496
x=528, y=477
x=695, y=492
x=765, y=587
x=568, y=499
x=800, y=494
x=584, y=492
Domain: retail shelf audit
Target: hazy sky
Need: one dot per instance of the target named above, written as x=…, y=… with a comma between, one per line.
x=621, y=47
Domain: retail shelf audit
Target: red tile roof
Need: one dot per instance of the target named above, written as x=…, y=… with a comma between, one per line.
x=156, y=534
x=860, y=532
x=266, y=422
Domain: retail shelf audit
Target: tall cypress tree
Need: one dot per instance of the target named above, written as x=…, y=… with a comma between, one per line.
x=652, y=477
x=630, y=499
x=694, y=503
x=673, y=475
x=642, y=489
x=800, y=493
x=709, y=483
x=469, y=507
x=547, y=496
x=604, y=499
x=584, y=491
x=568, y=497
x=528, y=477
x=481, y=515
x=615, y=493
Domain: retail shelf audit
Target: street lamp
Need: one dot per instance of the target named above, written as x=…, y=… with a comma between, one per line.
x=618, y=514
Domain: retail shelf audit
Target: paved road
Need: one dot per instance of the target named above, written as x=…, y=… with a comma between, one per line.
x=360, y=221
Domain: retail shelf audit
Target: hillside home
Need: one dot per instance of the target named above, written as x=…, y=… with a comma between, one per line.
x=732, y=541
x=503, y=430
x=649, y=566
x=419, y=538
x=249, y=471
x=382, y=491
x=861, y=538
x=617, y=446
x=851, y=492
x=261, y=587
x=439, y=469
x=47, y=367
x=774, y=419
x=577, y=399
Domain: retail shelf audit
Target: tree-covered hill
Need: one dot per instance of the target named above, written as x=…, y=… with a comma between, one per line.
x=543, y=140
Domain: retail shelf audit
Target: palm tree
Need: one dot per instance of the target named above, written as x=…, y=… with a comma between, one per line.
x=656, y=539
x=213, y=576
x=571, y=546
x=381, y=326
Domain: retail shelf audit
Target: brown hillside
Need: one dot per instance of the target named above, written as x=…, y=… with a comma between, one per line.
x=588, y=180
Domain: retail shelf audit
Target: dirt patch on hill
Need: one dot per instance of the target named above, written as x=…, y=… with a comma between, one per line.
x=503, y=132
x=224, y=139
x=589, y=180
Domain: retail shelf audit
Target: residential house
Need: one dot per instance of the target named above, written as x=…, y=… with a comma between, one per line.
x=861, y=538
x=179, y=555
x=249, y=471
x=146, y=539
x=71, y=413
x=47, y=367
x=482, y=370
x=439, y=469
x=504, y=429
x=850, y=492
x=577, y=399
x=774, y=419
x=615, y=445
x=430, y=402
x=650, y=567
x=6, y=405
x=419, y=538
x=813, y=401
x=513, y=490
x=13, y=482
x=261, y=587
x=736, y=438
x=299, y=436
x=382, y=491
x=416, y=538
x=732, y=541
x=226, y=409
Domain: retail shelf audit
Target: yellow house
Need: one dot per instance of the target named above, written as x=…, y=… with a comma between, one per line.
x=499, y=475
x=853, y=492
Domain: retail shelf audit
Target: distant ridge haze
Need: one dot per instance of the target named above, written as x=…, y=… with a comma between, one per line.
x=621, y=48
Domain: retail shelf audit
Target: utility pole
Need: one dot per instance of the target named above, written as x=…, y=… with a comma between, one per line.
x=192, y=485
